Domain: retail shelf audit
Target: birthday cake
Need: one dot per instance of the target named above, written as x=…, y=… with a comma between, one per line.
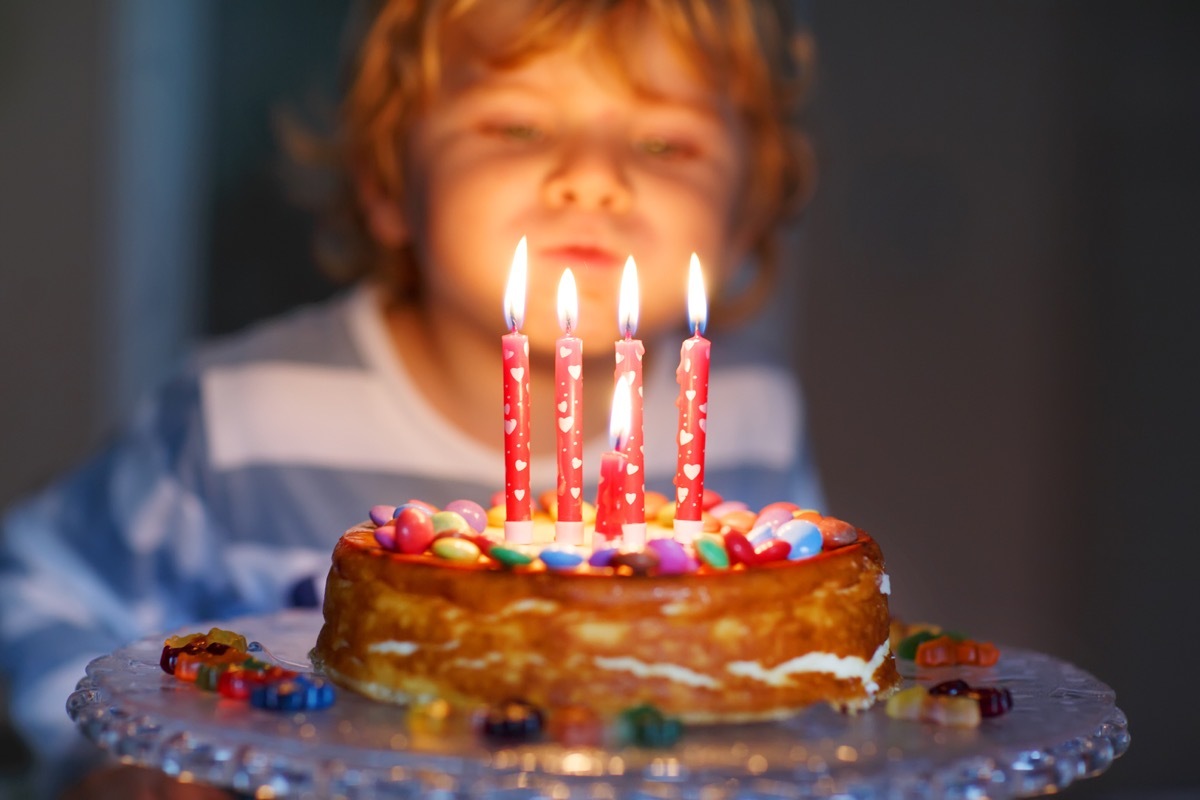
x=760, y=615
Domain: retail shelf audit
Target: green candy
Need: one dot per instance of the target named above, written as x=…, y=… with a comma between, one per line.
x=646, y=726
x=509, y=556
x=450, y=522
x=909, y=644
x=208, y=675
x=453, y=549
x=712, y=552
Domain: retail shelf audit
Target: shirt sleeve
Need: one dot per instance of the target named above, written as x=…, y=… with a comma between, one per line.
x=124, y=546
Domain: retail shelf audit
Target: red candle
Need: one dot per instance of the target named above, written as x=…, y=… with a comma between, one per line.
x=568, y=390
x=518, y=525
x=611, y=509
x=692, y=377
x=629, y=353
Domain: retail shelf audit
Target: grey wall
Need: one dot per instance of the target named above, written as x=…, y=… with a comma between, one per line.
x=996, y=283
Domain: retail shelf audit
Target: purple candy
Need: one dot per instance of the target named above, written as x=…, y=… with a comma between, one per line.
x=380, y=515
x=471, y=511
x=385, y=535
x=603, y=558
x=672, y=558
x=773, y=516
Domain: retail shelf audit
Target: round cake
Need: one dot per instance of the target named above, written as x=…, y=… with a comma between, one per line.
x=756, y=638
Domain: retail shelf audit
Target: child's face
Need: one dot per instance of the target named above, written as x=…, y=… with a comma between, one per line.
x=564, y=151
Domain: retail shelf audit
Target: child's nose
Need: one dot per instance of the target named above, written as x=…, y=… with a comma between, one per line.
x=590, y=177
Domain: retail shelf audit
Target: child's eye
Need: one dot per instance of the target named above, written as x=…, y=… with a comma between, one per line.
x=514, y=131
x=661, y=147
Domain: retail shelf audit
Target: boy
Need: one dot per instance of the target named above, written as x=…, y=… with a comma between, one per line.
x=597, y=130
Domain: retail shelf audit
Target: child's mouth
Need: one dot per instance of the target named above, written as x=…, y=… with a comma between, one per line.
x=581, y=256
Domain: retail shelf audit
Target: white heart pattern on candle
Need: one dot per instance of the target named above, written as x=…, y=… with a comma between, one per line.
x=631, y=469
x=681, y=493
x=575, y=492
x=517, y=373
x=510, y=425
x=507, y=408
x=691, y=470
x=620, y=357
x=690, y=394
x=508, y=354
x=562, y=407
x=703, y=423
x=685, y=437
x=520, y=465
x=630, y=497
x=519, y=494
x=564, y=351
x=576, y=462
x=526, y=347
x=565, y=423
x=687, y=365
x=574, y=370
x=703, y=408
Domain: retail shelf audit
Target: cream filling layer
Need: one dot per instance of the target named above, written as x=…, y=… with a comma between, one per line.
x=641, y=669
x=841, y=667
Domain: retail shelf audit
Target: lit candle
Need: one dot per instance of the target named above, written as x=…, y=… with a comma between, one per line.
x=629, y=353
x=611, y=511
x=518, y=524
x=568, y=389
x=692, y=377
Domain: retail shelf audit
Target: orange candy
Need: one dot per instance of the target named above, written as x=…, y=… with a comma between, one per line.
x=945, y=651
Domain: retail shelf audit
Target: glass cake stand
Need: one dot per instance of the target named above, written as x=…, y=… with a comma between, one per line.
x=1064, y=726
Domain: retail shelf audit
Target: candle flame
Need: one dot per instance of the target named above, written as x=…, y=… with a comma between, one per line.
x=568, y=302
x=697, y=299
x=514, y=292
x=621, y=419
x=627, y=306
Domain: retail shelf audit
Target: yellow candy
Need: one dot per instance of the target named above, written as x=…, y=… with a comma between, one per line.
x=907, y=703
x=496, y=516
x=960, y=711
x=452, y=549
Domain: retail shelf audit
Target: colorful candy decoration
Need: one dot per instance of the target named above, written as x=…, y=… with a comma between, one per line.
x=733, y=536
x=953, y=702
x=220, y=661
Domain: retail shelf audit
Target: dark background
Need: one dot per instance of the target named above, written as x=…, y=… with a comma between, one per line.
x=994, y=291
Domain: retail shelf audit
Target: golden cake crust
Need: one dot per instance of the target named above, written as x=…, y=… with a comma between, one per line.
x=736, y=645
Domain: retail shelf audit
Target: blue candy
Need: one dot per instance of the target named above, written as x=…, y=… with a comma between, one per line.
x=561, y=557
x=381, y=514
x=603, y=557
x=803, y=536
x=761, y=534
x=302, y=693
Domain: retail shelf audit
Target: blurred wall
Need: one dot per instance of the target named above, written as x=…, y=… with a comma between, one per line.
x=995, y=284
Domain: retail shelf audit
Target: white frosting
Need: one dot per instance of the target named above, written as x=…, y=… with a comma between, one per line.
x=399, y=648
x=672, y=672
x=837, y=666
x=885, y=583
x=529, y=605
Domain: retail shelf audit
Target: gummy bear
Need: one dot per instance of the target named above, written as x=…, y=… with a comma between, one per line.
x=646, y=726
x=512, y=721
x=299, y=693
